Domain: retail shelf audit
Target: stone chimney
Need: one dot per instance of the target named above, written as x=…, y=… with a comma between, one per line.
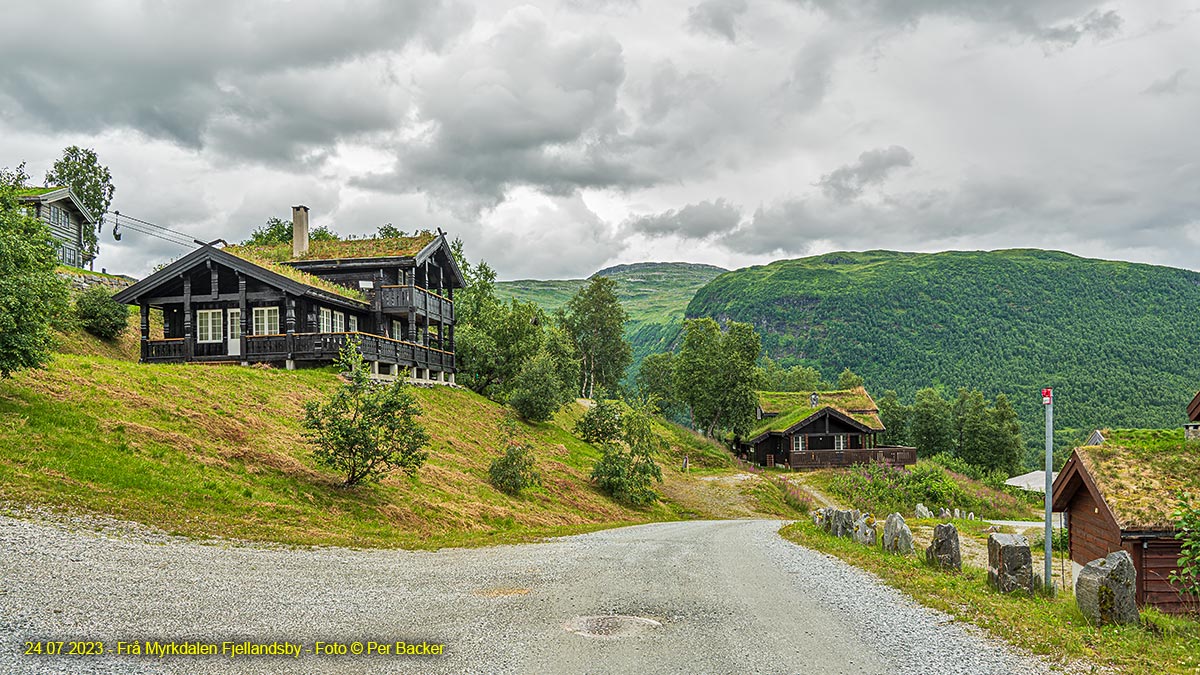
x=299, y=231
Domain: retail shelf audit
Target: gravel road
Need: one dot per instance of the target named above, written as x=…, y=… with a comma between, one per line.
x=727, y=597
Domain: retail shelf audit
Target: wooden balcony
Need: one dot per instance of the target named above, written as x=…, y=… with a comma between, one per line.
x=302, y=347
x=401, y=299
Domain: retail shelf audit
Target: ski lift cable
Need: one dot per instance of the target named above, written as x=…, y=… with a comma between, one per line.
x=121, y=220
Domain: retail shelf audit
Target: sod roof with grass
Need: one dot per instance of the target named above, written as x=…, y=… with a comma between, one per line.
x=37, y=191
x=853, y=400
x=250, y=255
x=1140, y=472
x=792, y=408
x=349, y=249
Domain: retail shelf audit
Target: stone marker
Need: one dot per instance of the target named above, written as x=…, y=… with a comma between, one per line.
x=957, y=514
x=923, y=511
x=897, y=538
x=971, y=516
x=843, y=523
x=864, y=531
x=1010, y=563
x=945, y=513
x=943, y=551
x=1105, y=590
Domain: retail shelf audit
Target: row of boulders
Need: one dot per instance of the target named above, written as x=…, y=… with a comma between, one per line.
x=1105, y=590
x=923, y=511
x=864, y=528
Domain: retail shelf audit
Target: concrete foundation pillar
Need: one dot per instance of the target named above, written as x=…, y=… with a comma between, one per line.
x=291, y=364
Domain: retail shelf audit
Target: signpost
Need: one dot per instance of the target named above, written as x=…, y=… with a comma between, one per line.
x=1048, y=401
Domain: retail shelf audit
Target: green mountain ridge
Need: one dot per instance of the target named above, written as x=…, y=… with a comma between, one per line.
x=655, y=295
x=1111, y=337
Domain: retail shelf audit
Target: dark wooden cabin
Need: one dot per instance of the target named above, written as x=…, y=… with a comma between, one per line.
x=820, y=429
x=298, y=305
x=1120, y=495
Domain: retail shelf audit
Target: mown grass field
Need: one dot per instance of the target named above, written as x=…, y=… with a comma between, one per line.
x=219, y=451
x=1051, y=627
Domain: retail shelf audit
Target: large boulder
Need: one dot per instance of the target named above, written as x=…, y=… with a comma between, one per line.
x=1010, y=563
x=1106, y=590
x=864, y=530
x=923, y=511
x=843, y=523
x=897, y=538
x=943, y=550
x=820, y=518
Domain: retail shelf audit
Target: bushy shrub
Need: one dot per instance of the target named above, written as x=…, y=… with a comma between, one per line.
x=99, y=314
x=601, y=423
x=516, y=469
x=366, y=429
x=1187, y=531
x=627, y=469
x=537, y=392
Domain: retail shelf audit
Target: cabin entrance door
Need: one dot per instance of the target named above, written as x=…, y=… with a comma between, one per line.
x=235, y=332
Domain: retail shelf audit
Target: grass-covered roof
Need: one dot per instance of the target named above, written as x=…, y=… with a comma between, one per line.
x=377, y=247
x=793, y=407
x=1139, y=472
x=250, y=255
x=36, y=191
x=854, y=400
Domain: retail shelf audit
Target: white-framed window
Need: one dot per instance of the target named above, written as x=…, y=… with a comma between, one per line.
x=326, y=320
x=798, y=443
x=235, y=324
x=397, y=330
x=339, y=322
x=266, y=320
x=209, y=327
x=839, y=442
x=353, y=324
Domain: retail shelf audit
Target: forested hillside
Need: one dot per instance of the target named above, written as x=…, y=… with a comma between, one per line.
x=654, y=294
x=1116, y=340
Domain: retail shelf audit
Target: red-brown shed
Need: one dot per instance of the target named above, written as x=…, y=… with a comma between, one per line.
x=1121, y=495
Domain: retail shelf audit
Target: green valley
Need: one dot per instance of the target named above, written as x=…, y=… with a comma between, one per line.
x=654, y=294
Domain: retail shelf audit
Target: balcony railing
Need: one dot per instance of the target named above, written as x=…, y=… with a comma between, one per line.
x=312, y=347
x=404, y=298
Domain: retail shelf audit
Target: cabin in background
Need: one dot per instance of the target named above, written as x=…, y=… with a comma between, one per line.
x=66, y=217
x=299, y=304
x=807, y=430
x=1120, y=495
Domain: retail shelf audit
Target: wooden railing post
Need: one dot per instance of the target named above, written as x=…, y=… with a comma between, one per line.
x=144, y=307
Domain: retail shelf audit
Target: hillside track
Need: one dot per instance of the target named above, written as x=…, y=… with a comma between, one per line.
x=706, y=597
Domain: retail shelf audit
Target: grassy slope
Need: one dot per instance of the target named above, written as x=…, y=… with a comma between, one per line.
x=205, y=450
x=1114, y=339
x=654, y=294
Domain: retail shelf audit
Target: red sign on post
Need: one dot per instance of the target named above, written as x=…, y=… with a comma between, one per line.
x=1047, y=396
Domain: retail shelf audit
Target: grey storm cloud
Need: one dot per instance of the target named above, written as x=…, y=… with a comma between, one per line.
x=525, y=106
x=257, y=82
x=1056, y=23
x=694, y=221
x=716, y=17
x=872, y=167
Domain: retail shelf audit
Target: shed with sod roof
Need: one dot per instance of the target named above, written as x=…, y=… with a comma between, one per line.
x=806, y=430
x=1121, y=495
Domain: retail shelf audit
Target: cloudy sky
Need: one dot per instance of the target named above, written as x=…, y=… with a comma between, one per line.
x=558, y=137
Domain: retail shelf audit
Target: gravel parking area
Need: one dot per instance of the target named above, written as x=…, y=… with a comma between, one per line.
x=693, y=597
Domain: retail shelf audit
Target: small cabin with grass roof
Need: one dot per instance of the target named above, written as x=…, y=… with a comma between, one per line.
x=1121, y=495
x=806, y=430
x=299, y=304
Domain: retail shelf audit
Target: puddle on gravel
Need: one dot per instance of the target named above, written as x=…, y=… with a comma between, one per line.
x=610, y=626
